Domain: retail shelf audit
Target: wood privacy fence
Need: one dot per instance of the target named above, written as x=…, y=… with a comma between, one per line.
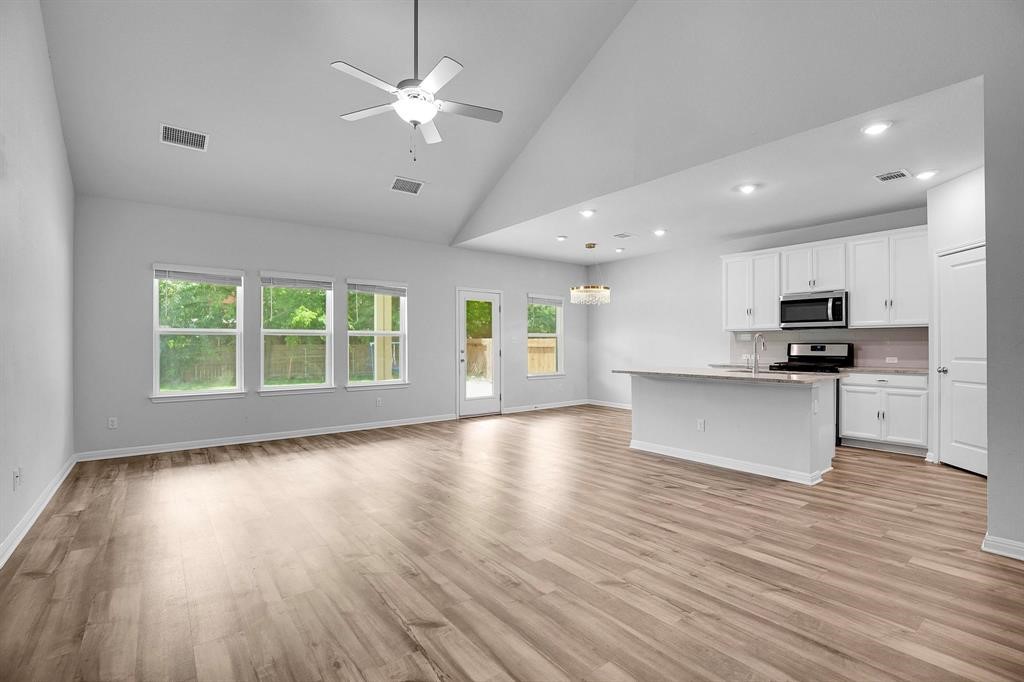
x=541, y=357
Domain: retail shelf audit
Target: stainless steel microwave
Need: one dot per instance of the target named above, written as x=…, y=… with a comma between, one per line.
x=814, y=310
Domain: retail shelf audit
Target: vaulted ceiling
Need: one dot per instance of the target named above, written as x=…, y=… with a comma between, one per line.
x=255, y=76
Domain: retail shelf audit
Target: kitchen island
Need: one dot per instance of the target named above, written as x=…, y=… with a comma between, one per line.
x=774, y=424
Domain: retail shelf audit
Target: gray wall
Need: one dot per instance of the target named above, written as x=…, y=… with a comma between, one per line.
x=36, y=219
x=667, y=308
x=118, y=241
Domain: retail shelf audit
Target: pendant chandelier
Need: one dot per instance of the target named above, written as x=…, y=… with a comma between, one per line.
x=590, y=294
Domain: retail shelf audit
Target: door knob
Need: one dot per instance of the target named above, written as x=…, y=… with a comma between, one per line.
x=942, y=370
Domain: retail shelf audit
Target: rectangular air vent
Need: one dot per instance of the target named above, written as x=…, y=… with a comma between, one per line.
x=180, y=137
x=407, y=186
x=893, y=175
x=623, y=235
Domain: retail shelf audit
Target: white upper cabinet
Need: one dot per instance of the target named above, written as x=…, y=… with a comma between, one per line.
x=750, y=292
x=887, y=275
x=829, y=267
x=736, y=293
x=909, y=272
x=814, y=268
x=764, y=295
x=869, y=282
x=797, y=271
x=889, y=279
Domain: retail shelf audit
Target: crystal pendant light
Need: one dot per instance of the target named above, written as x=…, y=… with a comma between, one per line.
x=590, y=294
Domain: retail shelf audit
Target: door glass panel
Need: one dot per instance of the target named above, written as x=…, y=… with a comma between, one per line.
x=479, y=355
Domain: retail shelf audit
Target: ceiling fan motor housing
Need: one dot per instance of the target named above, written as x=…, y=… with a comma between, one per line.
x=415, y=105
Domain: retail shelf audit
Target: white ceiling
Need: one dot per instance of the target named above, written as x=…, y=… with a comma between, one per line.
x=255, y=76
x=819, y=176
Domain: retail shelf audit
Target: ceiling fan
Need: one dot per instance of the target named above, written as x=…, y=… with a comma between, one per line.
x=414, y=98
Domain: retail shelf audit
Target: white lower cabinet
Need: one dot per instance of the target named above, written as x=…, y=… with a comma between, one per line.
x=885, y=408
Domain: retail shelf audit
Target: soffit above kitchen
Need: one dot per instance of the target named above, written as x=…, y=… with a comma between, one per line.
x=819, y=176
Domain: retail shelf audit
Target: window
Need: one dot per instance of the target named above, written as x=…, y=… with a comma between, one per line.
x=544, y=348
x=376, y=334
x=296, y=337
x=197, y=331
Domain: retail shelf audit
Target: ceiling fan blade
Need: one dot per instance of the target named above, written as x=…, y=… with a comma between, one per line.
x=365, y=113
x=430, y=134
x=445, y=70
x=471, y=110
x=363, y=76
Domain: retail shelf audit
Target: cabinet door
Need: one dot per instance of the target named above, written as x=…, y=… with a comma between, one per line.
x=797, y=271
x=868, y=277
x=860, y=412
x=736, y=294
x=911, y=279
x=764, y=273
x=829, y=267
x=905, y=417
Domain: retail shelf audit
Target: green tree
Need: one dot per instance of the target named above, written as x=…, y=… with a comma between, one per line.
x=541, y=319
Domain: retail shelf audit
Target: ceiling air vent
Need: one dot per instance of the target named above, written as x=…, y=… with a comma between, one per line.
x=622, y=235
x=180, y=137
x=407, y=186
x=893, y=175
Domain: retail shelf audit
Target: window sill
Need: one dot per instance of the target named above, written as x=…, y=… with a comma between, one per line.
x=375, y=386
x=556, y=375
x=295, y=390
x=186, y=397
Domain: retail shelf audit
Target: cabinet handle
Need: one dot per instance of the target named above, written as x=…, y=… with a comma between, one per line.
x=883, y=415
x=882, y=381
x=878, y=414
x=808, y=282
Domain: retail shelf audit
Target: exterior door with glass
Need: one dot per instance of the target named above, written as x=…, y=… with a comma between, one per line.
x=479, y=361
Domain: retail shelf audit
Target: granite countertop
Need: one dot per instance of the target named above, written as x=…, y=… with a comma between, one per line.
x=917, y=371
x=725, y=374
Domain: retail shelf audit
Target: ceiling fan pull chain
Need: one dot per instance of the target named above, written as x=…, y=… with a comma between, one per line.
x=412, y=143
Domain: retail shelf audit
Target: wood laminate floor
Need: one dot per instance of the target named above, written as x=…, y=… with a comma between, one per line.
x=531, y=547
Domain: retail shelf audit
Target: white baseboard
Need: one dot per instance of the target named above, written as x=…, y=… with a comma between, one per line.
x=18, y=532
x=931, y=457
x=134, y=450
x=605, y=403
x=1003, y=546
x=543, y=406
x=728, y=463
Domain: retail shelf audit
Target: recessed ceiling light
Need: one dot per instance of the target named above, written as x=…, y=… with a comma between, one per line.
x=926, y=175
x=660, y=232
x=587, y=212
x=876, y=128
x=747, y=189
x=619, y=250
x=561, y=237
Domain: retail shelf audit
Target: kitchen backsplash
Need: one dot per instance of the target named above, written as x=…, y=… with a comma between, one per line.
x=870, y=346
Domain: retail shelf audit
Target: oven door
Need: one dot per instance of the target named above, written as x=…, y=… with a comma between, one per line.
x=812, y=311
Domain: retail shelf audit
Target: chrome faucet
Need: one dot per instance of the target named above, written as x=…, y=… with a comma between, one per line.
x=758, y=341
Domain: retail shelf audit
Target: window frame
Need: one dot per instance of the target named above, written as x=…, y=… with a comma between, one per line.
x=402, y=334
x=559, y=335
x=238, y=390
x=328, y=331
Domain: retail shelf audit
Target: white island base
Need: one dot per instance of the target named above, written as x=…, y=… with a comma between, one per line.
x=777, y=425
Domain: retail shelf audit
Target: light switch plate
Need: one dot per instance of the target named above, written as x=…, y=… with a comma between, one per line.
x=891, y=360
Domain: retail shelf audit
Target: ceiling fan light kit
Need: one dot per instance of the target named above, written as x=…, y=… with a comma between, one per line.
x=415, y=101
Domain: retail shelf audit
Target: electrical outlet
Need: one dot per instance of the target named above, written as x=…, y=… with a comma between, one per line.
x=380, y=402
x=111, y=422
x=747, y=356
x=891, y=360
x=701, y=425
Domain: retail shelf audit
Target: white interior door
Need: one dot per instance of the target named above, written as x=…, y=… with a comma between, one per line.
x=963, y=361
x=479, y=361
